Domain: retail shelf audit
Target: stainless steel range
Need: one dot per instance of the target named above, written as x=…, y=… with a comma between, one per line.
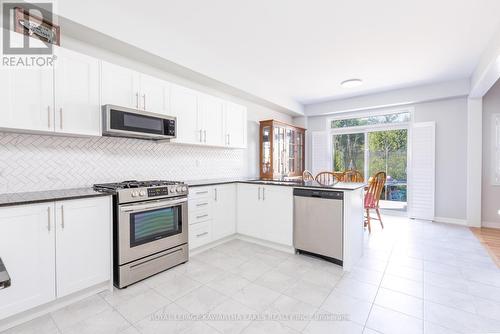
x=150, y=228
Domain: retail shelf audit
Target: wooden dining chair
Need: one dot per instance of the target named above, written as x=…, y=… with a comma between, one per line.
x=372, y=197
x=307, y=176
x=339, y=176
x=326, y=178
x=353, y=176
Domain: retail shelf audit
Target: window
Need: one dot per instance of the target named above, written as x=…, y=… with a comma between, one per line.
x=392, y=118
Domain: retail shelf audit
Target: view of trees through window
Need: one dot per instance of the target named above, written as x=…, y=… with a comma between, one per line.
x=386, y=151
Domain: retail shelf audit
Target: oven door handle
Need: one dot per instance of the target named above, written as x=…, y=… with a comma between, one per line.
x=156, y=205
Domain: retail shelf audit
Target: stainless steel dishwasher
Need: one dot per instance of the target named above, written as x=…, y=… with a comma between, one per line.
x=318, y=223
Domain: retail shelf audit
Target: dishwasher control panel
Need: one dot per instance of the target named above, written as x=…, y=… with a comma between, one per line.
x=318, y=193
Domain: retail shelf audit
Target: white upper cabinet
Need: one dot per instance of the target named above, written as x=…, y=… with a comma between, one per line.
x=83, y=243
x=235, y=125
x=77, y=106
x=27, y=249
x=27, y=96
x=120, y=86
x=184, y=105
x=210, y=119
x=154, y=95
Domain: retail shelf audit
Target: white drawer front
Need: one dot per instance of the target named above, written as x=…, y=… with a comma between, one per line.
x=198, y=204
x=200, y=234
x=199, y=216
x=199, y=192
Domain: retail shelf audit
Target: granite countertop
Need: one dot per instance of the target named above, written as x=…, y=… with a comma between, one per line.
x=296, y=184
x=48, y=196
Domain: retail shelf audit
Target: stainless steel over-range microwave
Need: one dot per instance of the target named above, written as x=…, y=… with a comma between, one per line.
x=126, y=122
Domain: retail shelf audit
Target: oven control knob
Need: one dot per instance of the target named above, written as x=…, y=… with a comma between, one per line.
x=179, y=189
x=142, y=193
x=184, y=188
x=134, y=194
x=173, y=190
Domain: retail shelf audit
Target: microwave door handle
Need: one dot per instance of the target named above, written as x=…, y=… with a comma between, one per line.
x=157, y=205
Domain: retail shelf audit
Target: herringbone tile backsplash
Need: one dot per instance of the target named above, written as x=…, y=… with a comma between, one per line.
x=35, y=162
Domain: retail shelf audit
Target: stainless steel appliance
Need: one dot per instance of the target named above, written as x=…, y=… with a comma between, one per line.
x=125, y=122
x=150, y=228
x=318, y=223
x=4, y=276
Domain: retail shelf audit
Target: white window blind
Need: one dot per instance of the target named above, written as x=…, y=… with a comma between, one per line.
x=496, y=148
x=423, y=173
x=321, y=157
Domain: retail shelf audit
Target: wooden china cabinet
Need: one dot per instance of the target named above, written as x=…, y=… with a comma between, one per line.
x=281, y=150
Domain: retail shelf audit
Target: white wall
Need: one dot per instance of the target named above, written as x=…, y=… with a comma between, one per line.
x=450, y=116
x=490, y=194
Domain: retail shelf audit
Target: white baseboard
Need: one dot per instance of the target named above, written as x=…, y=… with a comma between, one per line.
x=448, y=220
x=52, y=306
x=491, y=224
x=211, y=245
x=280, y=247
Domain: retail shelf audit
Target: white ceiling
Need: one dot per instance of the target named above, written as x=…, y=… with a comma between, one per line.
x=289, y=51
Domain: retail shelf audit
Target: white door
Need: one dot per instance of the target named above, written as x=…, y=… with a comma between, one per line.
x=224, y=211
x=120, y=86
x=184, y=105
x=27, y=97
x=249, y=211
x=235, y=121
x=83, y=243
x=78, y=109
x=155, y=95
x=211, y=119
x=27, y=250
x=422, y=171
x=321, y=157
x=278, y=214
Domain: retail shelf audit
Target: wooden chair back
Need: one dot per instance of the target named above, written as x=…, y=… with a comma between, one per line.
x=307, y=176
x=353, y=176
x=326, y=178
x=339, y=176
x=375, y=187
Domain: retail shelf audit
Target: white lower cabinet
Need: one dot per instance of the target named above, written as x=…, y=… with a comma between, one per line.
x=53, y=249
x=28, y=252
x=266, y=212
x=212, y=213
x=82, y=244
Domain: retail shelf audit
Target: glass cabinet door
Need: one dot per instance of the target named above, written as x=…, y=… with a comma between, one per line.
x=266, y=150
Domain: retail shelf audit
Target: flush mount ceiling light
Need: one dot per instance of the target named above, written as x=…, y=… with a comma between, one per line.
x=351, y=83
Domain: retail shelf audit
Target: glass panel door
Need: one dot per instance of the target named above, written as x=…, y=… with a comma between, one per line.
x=388, y=153
x=266, y=150
x=349, y=152
x=147, y=226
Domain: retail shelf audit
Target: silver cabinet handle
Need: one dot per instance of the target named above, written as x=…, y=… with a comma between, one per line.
x=137, y=100
x=48, y=117
x=201, y=234
x=263, y=193
x=205, y=136
x=215, y=193
x=258, y=192
x=202, y=216
x=201, y=192
x=144, y=100
x=62, y=217
x=61, y=117
x=48, y=218
x=201, y=204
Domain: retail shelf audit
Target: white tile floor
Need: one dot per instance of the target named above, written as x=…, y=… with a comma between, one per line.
x=415, y=277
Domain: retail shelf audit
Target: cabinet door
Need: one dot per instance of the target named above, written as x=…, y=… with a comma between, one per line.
x=278, y=214
x=235, y=125
x=249, y=211
x=184, y=105
x=78, y=109
x=224, y=211
x=27, y=97
x=28, y=251
x=211, y=119
x=155, y=95
x=83, y=243
x=120, y=86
